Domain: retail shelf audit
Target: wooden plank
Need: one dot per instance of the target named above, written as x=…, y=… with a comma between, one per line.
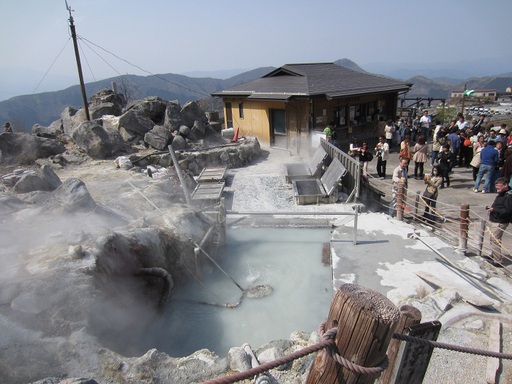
x=493, y=363
x=208, y=191
x=470, y=295
x=210, y=174
x=409, y=316
x=414, y=358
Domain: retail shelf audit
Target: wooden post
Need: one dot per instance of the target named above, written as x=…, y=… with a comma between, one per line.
x=416, y=203
x=365, y=321
x=414, y=358
x=409, y=315
x=480, y=244
x=464, y=228
x=400, y=202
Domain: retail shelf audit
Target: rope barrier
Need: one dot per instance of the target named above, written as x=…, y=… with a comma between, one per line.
x=329, y=344
x=451, y=347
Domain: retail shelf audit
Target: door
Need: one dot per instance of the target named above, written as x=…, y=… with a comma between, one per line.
x=278, y=128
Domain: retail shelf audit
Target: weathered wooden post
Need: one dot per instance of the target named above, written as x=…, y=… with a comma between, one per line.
x=400, y=200
x=463, y=228
x=480, y=240
x=416, y=203
x=409, y=315
x=365, y=322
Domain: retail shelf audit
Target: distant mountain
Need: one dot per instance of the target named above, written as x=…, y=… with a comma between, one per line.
x=44, y=108
x=350, y=65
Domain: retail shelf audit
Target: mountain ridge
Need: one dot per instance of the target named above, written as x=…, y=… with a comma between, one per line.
x=43, y=108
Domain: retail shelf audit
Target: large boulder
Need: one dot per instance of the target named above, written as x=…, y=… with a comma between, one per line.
x=71, y=119
x=192, y=112
x=73, y=196
x=136, y=122
x=158, y=137
x=179, y=143
x=22, y=148
x=96, y=141
x=44, y=179
x=152, y=107
x=106, y=102
x=54, y=130
x=172, y=120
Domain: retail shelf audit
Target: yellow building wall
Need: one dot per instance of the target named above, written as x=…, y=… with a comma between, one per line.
x=256, y=117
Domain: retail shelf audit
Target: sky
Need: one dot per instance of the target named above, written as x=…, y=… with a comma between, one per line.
x=165, y=36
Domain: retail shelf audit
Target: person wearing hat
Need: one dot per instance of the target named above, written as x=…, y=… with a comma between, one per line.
x=7, y=127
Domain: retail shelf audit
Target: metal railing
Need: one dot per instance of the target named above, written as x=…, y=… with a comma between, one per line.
x=352, y=179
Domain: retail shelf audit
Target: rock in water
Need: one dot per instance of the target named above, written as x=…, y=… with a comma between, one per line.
x=259, y=291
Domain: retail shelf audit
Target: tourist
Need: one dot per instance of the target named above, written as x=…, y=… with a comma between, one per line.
x=497, y=169
x=492, y=136
x=462, y=123
x=389, y=129
x=476, y=160
x=466, y=150
x=430, y=194
x=328, y=131
x=382, y=152
x=7, y=127
x=489, y=159
x=420, y=157
x=455, y=143
x=500, y=214
x=438, y=141
x=445, y=161
x=405, y=149
x=399, y=177
x=506, y=170
x=478, y=125
x=425, y=122
x=416, y=128
x=365, y=156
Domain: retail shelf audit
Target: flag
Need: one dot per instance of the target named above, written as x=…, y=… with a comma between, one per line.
x=469, y=92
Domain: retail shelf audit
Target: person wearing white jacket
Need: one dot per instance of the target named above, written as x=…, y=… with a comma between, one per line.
x=382, y=153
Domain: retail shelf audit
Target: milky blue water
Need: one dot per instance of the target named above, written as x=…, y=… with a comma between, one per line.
x=290, y=260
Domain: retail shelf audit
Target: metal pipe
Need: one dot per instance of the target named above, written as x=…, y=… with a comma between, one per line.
x=180, y=176
x=290, y=213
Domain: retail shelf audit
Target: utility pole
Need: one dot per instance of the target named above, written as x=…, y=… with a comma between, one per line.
x=464, y=98
x=78, y=64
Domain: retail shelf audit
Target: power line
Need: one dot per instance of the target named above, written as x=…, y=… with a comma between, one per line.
x=114, y=69
x=46, y=73
x=145, y=71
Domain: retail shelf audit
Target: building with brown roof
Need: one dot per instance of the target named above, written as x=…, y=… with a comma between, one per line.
x=285, y=107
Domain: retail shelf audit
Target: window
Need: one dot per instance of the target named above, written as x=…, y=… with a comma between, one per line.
x=241, y=110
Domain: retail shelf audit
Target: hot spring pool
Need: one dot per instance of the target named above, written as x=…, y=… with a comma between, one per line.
x=289, y=260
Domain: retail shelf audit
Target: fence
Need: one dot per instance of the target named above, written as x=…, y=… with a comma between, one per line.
x=370, y=345
x=352, y=179
x=460, y=226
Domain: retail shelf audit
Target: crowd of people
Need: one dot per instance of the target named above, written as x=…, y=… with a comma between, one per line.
x=421, y=144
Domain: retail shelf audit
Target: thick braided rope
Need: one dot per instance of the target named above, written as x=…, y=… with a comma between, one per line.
x=372, y=371
x=325, y=343
x=450, y=347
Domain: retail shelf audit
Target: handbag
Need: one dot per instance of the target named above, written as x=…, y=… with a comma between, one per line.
x=404, y=154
